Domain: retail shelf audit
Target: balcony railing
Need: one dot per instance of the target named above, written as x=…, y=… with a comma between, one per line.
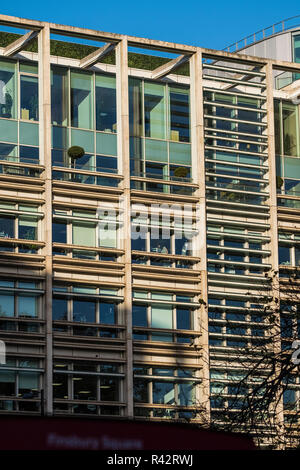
x=284, y=25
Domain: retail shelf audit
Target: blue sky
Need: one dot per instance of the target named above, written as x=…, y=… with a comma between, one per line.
x=214, y=24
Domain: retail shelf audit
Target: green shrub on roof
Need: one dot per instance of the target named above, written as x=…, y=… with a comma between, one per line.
x=78, y=51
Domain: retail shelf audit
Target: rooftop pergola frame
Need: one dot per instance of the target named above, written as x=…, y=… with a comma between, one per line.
x=110, y=40
x=19, y=44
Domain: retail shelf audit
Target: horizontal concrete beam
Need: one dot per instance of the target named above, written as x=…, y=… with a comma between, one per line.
x=169, y=67
x=20, y=43
x=95, y=56
x=145, y=43
x=15, y=21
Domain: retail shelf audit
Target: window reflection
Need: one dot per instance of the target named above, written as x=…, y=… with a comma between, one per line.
x=81, y=100
x=84, y=311
x=29, y=98
x=59, y=96
x=106, y=119
x=8, y=97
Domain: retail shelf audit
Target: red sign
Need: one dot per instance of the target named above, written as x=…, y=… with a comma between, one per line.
x=37, y=433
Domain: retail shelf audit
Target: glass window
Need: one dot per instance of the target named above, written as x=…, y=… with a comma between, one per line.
x=292, y=187
x=186, y=393
x=160, y=244
x=296, y=49
x=60, y=137
x=139, y=315
x=7, y=305
x=235, y=303
x=84, y=139
x=8, y=151
x=291, y=167
x=106, y=164
x=155, y=110
x=182, y=246
x=109, y=389
x=163, y=393
x=156, y=150
x=29, y=154
x=183, y=318
x=108, y=234
x=59, y=309
x=84, y=290
x=180, y=154
x=155, y=170
x=297, y=255
x=29, y=67
x=85, y=387
x=140, y=391
x=28, y=228
x=27, y=306
x=81, y=100
x=29, y=99
x=106, y=144
x=284, y=254
x=140, y=294
x=28, y=384
x=161, y=316
x=26, y=285
x=7, y=382
x=107, y=313
x=84, y=311
x=8, y=93
x=235, y=316
x=161, y=296
x=7, y=227
x=59, y=232
x=106, y=119
x=166, y=372
x=139, y=243
x=84, y=234
x=277, y=127
x=59, y=96
x=234, y=244
x=86, y=162
x=179, y=115
x=60, y=386
x=135, y=110
x=290, y=129
x=289, y=396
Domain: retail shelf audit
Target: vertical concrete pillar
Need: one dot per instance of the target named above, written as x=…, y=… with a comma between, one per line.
x=279, y=415
x=45, y=155
x=124, y=165
x=198, y=165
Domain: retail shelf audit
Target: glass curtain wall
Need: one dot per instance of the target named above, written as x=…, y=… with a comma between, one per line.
x=287, y=128
x=19, y=134
x=83, y=108
x=296, y=54
x=287, y=144
x=160, y=131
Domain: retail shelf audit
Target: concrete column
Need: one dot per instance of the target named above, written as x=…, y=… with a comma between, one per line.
x=274, y=228
x=124, y=165
x=45, y=155
x=198, y=165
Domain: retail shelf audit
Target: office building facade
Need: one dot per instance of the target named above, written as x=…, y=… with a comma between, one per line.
x=144, y=202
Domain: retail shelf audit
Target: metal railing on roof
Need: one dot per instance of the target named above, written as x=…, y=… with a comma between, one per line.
x=284, y=25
